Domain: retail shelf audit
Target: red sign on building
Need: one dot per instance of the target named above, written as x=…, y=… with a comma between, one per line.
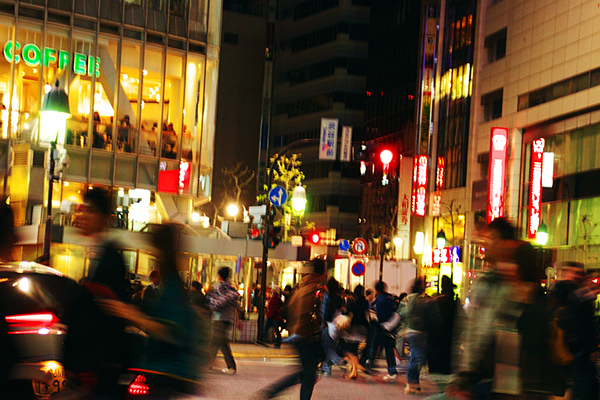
x=441, y=168
x=535, y=186
x=420, y=186
x=497, y=172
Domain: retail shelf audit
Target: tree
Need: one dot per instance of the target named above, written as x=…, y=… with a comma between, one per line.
x=287, y=174
x=232, y=184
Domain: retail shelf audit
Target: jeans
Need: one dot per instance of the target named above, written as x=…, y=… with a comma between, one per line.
x=220, y=341
x=418, y=355
x=330, y=347
x=388, y=342
x=276, y=325
x=310, y=351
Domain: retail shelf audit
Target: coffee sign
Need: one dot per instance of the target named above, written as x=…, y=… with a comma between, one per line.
x=33, y=56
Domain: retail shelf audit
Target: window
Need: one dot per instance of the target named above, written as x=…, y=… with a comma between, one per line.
x=152, y=93
x=496, y=45
x=492, y=105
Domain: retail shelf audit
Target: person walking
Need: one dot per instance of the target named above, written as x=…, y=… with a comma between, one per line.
x=439, y=343
x=331, y=308
x=303, y=325
x=273, y=315
x=151, y=293
x=384, y=305
x=572, y=305
x=223, y=301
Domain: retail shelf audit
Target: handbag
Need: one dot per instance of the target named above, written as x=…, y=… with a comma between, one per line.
x=392, y=324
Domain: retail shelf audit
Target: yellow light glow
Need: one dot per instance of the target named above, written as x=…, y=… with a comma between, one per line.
x=90, y=187
x=66, y=184
x=125, y=77
x=145, y=72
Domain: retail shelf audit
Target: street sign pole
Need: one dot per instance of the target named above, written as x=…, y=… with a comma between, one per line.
x=265, y=253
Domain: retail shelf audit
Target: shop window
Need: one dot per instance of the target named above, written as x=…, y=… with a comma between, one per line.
x=177, y=134
x=125, y=139
x=104, y=94
x=197, y=20
x=5, y=36
x=495, y=45
x=152, y=101
x=492, y=105
x=193, y=106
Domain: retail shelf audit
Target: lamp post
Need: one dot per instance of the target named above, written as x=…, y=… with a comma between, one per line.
x=54, y=113
x=267, y=226
x=233, y=210
x=441, y=239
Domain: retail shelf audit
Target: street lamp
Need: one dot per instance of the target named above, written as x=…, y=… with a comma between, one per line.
x=441, y=239
x=299, y=199
x=53, y=117
x=233, y=210
x=541, y=236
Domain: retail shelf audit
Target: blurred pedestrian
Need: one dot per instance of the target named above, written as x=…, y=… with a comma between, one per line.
x=151, y=294
x=507, y=328
x=384, y=337
x=357, y=308
x=273, y=315
x=223, y=301
x=365, y=359
x=439, y=341
x=572, y=304
x=106, y=266
x=172, y=356
x=331, y=307
x=304, y=326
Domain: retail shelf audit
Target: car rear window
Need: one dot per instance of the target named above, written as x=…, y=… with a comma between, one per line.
x=38, y=293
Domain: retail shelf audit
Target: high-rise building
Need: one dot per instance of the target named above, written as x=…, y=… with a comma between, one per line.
x=141, y=79
x=320, y=71
x=538, y=79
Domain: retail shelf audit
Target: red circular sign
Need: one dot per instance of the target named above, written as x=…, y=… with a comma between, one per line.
x=359, y=246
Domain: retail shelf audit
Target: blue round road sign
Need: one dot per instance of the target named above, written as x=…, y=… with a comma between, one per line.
x=278, y=196
x=344, y=245
x=358, y=268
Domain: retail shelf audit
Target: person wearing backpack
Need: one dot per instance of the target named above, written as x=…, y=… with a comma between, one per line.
x=223, y=301
x=303, y=323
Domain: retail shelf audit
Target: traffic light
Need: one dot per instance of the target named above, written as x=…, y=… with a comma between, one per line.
x=273, y=239
x=314, y=238
x=255, y=233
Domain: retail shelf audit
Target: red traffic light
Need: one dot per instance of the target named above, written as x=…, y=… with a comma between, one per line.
x=386, y=156
x=315, y=238
x=255, y=234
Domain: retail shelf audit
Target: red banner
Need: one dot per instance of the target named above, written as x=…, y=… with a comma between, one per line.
x=535, y=187
x=497, y=172
x=420, y=185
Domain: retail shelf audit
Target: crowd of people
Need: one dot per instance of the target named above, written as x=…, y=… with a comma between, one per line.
x=510, y=339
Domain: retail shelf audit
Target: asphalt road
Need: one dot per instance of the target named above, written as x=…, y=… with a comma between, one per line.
x=254, y=374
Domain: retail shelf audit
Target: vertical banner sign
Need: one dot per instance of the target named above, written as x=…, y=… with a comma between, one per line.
x=497, y=170
x=535, y=189
x=404, y=203
x=328, y=138
x=427, y=79
x=413, y=204
x=439, y=184
x=420, y=190
x=346, y=150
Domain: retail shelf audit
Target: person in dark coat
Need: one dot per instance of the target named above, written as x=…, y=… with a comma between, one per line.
x=439, y=343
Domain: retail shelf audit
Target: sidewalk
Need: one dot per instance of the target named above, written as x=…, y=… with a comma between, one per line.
x=251, y=350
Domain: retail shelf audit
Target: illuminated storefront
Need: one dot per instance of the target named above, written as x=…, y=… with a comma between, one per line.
x=142, y=102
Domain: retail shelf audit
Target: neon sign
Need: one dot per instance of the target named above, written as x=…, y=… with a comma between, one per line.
x=497, y=170
x=33, y=56
x=535, y=186
x=420, y=185
x=446, y=255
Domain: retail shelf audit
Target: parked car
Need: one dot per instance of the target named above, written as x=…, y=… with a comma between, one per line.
x=35, y=302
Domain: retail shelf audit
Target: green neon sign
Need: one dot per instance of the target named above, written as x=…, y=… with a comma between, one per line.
x=33, y=56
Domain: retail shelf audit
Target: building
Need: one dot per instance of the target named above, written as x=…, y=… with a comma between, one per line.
x=241, y=72
x=319, y=72
x=141, y=79
x=538, y=77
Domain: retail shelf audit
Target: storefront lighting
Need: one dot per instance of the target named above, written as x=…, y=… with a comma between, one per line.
x=158, y=97
x=397, y=241
x=125, y=77
x=121, y=192
x=47, y=88
x=144, y=72
x=66, y=184
x=419, y=243
x=195, y=216
x=232, y=210
x=90, y=187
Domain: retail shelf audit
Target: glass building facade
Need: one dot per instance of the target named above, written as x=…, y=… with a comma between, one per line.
x=141, y=78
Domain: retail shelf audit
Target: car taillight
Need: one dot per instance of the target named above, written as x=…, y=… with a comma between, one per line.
x=138, y=386
x=31, y=320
